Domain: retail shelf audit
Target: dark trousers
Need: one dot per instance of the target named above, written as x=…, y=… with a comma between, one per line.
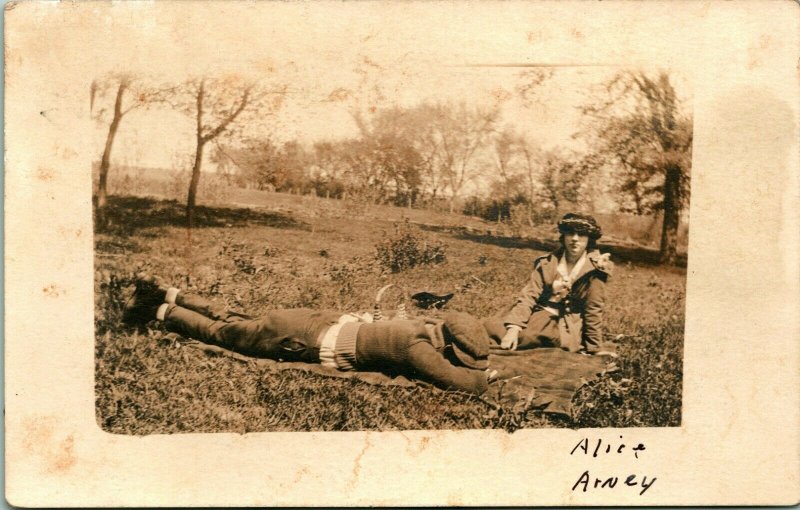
x=285, y=335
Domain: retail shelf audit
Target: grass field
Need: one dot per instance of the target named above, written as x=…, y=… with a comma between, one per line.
x=170, y=183
x=281, y=257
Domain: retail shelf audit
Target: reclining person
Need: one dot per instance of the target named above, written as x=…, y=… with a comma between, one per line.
x=451, y=353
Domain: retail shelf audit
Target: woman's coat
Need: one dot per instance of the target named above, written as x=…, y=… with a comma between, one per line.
x=578, y=319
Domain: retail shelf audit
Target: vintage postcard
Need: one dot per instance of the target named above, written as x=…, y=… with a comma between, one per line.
x=402, y=253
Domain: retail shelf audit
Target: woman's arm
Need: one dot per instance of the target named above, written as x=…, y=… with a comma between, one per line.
x=522, y=309
x=431, y=366
x=593, y=314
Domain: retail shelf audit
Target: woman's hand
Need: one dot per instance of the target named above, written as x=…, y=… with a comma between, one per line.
x=510, y=340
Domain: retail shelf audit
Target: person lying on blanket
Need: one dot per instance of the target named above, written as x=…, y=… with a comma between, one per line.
x=451, y=353
x=562, y=304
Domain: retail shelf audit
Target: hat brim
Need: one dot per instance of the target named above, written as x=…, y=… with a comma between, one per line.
x=468, y=360
x=580, y=231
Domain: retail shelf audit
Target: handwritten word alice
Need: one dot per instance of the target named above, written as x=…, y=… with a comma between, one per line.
x=586, y=481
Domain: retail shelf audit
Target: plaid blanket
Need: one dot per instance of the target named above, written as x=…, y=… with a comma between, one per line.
x=541, y=378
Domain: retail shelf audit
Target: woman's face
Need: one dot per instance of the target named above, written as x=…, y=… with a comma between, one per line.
x=575, y=244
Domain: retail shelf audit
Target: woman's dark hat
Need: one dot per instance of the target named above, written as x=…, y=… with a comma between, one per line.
x=581, y=224
x=428, y=300
x=468, y=338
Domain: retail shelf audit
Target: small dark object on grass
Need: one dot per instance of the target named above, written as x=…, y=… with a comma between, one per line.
x=482, y=260
x=324, y=253
x=428, y=300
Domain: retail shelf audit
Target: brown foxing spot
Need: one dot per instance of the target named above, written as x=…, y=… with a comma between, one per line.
x=40, y=440
x=45, y=174
x=67, y=153
x=501, y=95
x=52, y=290
x=64, y=457
x=414, y=448
x=757, y=50
x=338, y=94
x=535, y=36
x=357, y=463
x=454, y=500
x=298, y=476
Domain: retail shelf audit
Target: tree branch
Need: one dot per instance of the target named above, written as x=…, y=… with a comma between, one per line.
x=227, y=121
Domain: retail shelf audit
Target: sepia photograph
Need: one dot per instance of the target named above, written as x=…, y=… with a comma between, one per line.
x=465, y=246
x=401, y=253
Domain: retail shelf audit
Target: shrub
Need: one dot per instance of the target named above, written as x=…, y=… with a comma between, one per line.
x=408, y=247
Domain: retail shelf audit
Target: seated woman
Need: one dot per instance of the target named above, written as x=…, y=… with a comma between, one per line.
x=562, y=304
x=451, y=353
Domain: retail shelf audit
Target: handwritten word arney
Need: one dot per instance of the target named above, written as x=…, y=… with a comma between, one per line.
x=599, y=447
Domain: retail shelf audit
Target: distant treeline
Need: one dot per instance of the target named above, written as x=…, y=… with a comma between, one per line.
x=638, y=141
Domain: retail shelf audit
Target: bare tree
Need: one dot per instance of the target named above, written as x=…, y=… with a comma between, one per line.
x=561, y=178
x=531, y=156
x=215, y=105
x=128, y=94
x=394, y=166
x=421, y=130
x=329, y=166
x=359, y=170
x=226, y=164
x=639, y=128
x=458, y=132
x=507, y=162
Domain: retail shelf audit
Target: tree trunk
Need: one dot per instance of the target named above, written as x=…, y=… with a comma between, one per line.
x=556, y=207
x=530, y=200
x=672, y=210
x=192, y=198
x=198, y=156
x=105, y=162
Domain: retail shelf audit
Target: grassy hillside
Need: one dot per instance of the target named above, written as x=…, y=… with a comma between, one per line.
x=296, y=253
x=165, y=183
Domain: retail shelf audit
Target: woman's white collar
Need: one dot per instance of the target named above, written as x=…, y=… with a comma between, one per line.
x=576, y=269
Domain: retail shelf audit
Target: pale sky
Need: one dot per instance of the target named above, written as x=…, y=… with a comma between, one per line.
x=411, y=52
x=160, y=137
